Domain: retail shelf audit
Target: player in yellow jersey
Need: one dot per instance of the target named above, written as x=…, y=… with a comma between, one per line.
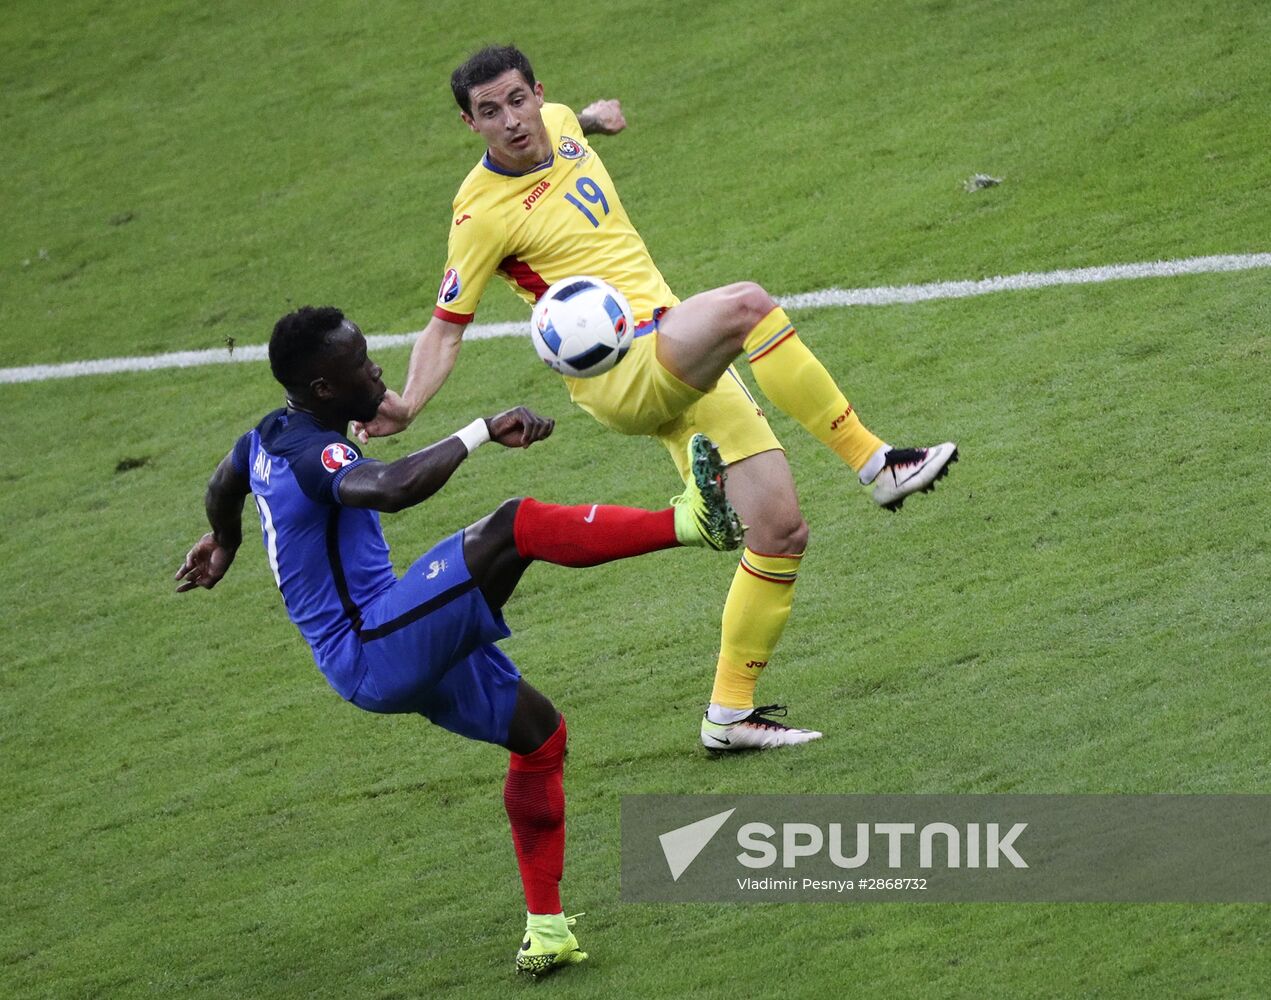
x=540, y=206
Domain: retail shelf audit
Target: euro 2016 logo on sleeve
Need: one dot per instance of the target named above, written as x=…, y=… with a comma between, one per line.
x=570, y=149
x=336, y=456
x=449, y=290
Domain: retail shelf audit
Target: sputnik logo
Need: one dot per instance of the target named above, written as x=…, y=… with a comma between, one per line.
x=682, y=846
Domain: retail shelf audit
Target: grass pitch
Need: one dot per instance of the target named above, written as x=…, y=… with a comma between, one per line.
x=1080, y=607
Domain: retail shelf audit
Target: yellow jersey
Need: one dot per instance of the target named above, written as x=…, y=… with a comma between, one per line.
x=560, y=218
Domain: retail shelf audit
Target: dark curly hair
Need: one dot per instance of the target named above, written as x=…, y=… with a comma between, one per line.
x=483, y=66
x=297, y=342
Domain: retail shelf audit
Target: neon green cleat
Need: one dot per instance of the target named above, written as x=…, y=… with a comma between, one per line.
x=539, y=959
x=703, y=515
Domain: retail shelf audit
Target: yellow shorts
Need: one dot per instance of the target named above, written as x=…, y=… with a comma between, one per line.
x=641, y=397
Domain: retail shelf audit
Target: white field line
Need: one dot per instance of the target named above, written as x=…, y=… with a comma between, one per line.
x=825, y=299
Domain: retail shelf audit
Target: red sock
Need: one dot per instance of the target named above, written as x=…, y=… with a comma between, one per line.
x=588, y=535
x=534, y=796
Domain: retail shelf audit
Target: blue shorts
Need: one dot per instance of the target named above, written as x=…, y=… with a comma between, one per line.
x=428, y=647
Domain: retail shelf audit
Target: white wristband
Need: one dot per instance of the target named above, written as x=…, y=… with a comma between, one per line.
x=474, y=435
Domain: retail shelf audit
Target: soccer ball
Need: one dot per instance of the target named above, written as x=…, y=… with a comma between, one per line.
x=582, y=326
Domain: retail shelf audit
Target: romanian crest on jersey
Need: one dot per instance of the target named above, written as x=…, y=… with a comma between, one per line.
x=336, y=456
x=449, y=290
x=570, y=148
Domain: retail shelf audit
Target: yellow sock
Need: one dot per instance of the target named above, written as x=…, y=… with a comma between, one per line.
x=754, y=617
x=791, y=376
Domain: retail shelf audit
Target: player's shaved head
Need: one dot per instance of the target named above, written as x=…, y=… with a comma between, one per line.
x=483, y=66
x=297, y=347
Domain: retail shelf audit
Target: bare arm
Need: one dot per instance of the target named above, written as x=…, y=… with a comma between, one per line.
x=602, y=118
x=431, y=361
x=211, y=556
x=393, y=486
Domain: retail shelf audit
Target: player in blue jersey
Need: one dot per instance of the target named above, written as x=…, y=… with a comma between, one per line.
x=425, y=642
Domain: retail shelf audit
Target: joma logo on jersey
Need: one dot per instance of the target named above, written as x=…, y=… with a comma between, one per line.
x=838, y=421
x=536, y=194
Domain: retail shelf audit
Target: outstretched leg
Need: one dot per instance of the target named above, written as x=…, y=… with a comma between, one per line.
x=499, y=547
x=699, y=338
x=702, y=336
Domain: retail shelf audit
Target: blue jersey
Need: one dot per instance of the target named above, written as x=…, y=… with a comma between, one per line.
x=329, y=561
